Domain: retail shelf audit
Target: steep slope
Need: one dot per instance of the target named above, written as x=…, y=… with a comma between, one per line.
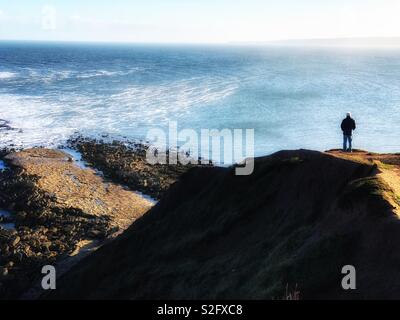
x=297, y=220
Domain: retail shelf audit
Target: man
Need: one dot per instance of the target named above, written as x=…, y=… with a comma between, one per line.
x=348, y=125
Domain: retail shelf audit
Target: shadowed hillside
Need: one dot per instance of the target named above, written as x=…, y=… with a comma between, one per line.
x=297, y=220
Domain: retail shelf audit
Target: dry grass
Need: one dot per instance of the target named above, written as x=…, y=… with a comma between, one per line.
x=291, y=294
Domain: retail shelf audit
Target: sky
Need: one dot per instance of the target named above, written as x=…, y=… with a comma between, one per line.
x=197, y=21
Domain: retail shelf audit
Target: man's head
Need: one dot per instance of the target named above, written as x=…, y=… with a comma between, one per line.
x=348, y=114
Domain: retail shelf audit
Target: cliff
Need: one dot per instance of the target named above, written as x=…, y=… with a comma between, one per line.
x=294, y=223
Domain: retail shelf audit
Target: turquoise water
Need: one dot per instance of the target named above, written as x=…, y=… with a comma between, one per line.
x=7, y=226
x=292, y=97
x=2, y=165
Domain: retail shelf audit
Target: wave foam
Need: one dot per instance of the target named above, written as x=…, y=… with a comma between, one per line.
x=51, y=119
x=28, y=75
x=7, y=75
x=105, y=73
x=159, y=102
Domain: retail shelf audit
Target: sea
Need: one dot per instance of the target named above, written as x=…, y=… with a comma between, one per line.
x=293, y=97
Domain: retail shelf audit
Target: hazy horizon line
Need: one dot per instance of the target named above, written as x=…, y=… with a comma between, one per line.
x=347, y=41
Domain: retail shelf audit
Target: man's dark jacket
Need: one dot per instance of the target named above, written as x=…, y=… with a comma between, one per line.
x=348, y=125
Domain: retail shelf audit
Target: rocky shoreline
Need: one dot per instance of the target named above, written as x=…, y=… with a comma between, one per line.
x=58, y=207
x=126, y=163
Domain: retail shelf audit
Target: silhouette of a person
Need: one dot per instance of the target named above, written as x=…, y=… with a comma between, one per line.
x=348, y=125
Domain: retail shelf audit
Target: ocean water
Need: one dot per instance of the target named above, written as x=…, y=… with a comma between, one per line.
x=7, y=226
x=293, y=97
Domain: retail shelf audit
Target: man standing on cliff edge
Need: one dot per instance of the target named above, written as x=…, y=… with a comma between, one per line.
x=348, y=125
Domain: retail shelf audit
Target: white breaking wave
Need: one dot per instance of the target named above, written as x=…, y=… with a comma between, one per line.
x=51, y=120
x=49, y=76
x=35, y=75
x=35, y=122
x=7, y=75
x=105, y=73
x=163, y=102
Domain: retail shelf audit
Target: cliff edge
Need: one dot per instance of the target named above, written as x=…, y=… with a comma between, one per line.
x=294, y=223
